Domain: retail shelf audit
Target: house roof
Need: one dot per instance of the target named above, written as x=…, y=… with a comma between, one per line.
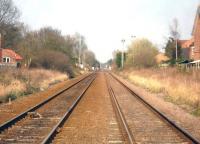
x=12, y=53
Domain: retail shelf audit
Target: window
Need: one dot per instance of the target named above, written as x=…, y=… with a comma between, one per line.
x=193, y=50
x=6, y=60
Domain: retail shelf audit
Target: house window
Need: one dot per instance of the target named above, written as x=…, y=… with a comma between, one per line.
x=6, y=60
x=193, y=50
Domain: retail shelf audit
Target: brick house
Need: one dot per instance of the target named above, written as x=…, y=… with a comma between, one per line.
x=196, y=35
x=9, y=58
x=191, y=48
x=187, y=48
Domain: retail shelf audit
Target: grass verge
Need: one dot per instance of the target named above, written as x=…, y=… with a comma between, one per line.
x=15, y=83
x=178, y=87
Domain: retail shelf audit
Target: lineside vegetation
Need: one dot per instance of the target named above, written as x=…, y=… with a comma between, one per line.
x=180, y=88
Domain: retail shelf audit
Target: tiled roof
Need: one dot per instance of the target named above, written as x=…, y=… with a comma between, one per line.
x=12, y=53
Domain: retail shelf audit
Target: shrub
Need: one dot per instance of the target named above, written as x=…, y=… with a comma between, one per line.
x=11, y=96
x=52, y=60
x=142, y=53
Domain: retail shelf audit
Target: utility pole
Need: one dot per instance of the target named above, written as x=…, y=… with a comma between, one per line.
x=83, y=60
x=79, y=53
x=122, y=56
x=176, y=49
x=132, y=38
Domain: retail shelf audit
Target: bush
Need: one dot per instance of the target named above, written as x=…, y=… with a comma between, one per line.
x=11, y=96
x=30, y=90
x=49, y=59
x=142, y=54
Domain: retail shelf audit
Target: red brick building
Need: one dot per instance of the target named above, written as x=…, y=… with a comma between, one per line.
x=187, y=48
x=191, y=48
x=9, y=58
x=196, y=35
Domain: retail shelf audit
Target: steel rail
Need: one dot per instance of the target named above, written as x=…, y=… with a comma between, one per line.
x=182, y=131
x=126, y=128
x=54, y=131
x=14, y=120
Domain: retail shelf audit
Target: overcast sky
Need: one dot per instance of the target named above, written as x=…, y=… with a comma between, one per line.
x=105, y=22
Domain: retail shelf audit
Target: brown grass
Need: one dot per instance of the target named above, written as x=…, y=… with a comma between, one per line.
x=182, y=88
x=18, y=82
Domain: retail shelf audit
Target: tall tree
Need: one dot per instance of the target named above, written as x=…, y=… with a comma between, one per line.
x=170, y=49
x=89, y=58
x=12, y=35
x=9, y=13
x=118, y=58
x=48, y=48
x=9, y=25
x=174, y=29
x=79, y=48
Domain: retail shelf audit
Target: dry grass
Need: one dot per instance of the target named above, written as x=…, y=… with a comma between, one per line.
x=182, y=88
x=41, y=78
x=150, y=84
x=14, y=86
x=18, y=82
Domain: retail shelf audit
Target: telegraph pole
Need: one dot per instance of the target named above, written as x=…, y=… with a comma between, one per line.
x=176, y=49
x=79, y=54
x=132, y=38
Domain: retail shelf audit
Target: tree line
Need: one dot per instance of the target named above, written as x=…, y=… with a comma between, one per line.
x=47, y=47
x=142, y=52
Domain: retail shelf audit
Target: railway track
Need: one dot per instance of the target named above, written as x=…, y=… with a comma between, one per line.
x=42, y=122
x=93, y=120
x=141, y=122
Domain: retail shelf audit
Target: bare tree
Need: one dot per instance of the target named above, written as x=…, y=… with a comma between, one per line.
x=89, y=58
x=174, y=29
x=172, y=49
x=10, y=28
x=80, y=47
x=9, y=13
